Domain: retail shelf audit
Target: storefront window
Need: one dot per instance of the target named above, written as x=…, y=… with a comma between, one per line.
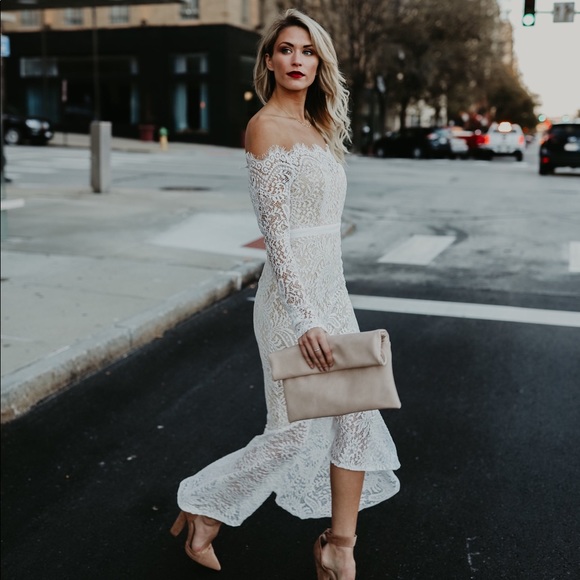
x=191, y=93
x=190, y=107
x=38, y=67
x=190, y=63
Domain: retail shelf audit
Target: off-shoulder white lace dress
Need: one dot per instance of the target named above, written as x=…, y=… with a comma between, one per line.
x=298, y=196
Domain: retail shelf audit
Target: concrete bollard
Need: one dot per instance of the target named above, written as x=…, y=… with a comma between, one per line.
x=100, y=156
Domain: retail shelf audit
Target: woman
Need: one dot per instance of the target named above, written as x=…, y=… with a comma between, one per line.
x=321, y=467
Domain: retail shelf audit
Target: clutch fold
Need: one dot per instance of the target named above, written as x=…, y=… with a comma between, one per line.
x=361, y=378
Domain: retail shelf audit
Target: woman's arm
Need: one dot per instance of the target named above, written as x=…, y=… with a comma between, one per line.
x=271, y=175
x=270, y=181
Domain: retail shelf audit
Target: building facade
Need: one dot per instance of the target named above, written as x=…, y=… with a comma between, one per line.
x=186, y=67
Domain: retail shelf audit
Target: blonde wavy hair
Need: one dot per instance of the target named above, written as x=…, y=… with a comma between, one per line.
x=327, y=98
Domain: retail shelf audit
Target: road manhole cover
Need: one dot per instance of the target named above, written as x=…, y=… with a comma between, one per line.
x=185, y=188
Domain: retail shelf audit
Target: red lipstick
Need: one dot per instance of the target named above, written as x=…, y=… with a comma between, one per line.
x=296, y=74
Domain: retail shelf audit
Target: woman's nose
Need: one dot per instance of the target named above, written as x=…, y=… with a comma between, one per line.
x=297, y=59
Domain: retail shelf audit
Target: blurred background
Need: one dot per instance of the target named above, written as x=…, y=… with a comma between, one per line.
x=185, y=67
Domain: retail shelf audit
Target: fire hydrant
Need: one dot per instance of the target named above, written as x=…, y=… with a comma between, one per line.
x=163, y=138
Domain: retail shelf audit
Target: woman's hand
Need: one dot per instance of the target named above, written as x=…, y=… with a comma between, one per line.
x=315, y=349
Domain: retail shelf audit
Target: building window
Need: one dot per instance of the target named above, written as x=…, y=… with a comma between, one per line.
x=189, y=9
x=30, y=18
x=119, y=14
x=33, y=67
x=191, y=64
x=73, y=16
x=191, y=107
x=245, y=11
x=191, y=93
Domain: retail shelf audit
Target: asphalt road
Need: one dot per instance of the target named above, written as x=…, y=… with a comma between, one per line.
x=487, y=436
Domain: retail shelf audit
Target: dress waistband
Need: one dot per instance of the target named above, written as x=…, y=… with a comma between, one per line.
x=315, y=231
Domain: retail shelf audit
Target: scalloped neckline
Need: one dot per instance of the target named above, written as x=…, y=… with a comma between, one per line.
x=297, y=146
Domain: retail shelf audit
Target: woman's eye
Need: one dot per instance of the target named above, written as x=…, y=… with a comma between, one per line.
x=308, y=52
x=286, y=51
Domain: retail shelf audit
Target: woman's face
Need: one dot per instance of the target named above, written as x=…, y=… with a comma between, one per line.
x=293, y=59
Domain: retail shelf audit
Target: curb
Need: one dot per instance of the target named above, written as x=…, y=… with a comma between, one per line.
x=27, y=387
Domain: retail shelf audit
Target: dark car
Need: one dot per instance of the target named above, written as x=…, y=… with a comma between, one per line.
x=19, y=128
x=560, y=147
x=415, y=142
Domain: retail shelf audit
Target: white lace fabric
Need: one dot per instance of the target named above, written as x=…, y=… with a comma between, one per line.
x=298, y=196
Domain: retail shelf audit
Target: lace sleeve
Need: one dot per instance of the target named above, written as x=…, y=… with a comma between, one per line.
x=270, y=182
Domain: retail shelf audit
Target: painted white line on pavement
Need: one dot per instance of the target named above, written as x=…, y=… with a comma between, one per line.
x=24, y=169
x=7, y=204
x=574, y=259
x=221, y=233
x=467, y=310
x=418, y=250
x=15, y=338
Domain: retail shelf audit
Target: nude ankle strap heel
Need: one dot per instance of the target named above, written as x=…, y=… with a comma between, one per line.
x=206, y=556
x=327, y=537
x=341, y=541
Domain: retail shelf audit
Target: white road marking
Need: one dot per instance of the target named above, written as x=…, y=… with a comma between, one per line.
x=80, y=164
x=24, y=169
x=221, y=233
x=574, y=257
x=418, y=250
x=15, y=338
x=470, y=555
x=7, y=204
x=26, y=184
x=467, y=310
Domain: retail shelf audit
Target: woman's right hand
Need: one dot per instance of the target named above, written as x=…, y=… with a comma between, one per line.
x=315, y=349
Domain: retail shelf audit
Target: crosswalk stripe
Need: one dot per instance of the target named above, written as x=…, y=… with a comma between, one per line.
x=220, y=233
x=418, y=250
x=574, y=259
x=19, y=168
x=467, y=310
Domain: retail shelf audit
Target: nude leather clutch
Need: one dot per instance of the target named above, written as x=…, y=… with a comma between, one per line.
x=361, y=378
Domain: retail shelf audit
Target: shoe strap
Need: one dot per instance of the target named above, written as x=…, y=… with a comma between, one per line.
x=207, y=521
x=340, y=541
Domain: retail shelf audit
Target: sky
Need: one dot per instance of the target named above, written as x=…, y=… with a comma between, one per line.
x=548, y=55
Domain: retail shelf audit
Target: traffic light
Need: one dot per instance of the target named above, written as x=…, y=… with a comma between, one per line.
x=529, y=17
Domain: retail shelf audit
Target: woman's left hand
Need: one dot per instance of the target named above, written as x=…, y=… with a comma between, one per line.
x=315, y=349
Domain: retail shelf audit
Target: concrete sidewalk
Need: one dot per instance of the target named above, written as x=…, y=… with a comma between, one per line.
x=82, y=283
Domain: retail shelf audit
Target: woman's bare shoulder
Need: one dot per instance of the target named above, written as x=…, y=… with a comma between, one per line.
x=264, y=132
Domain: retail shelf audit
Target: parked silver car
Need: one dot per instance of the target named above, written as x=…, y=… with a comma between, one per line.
x=503, y=138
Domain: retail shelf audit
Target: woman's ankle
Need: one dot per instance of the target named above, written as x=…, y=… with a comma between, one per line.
x=338, y=558
x=206, y=530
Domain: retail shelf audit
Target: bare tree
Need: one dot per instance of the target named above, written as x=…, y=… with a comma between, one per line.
x=448, y=53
